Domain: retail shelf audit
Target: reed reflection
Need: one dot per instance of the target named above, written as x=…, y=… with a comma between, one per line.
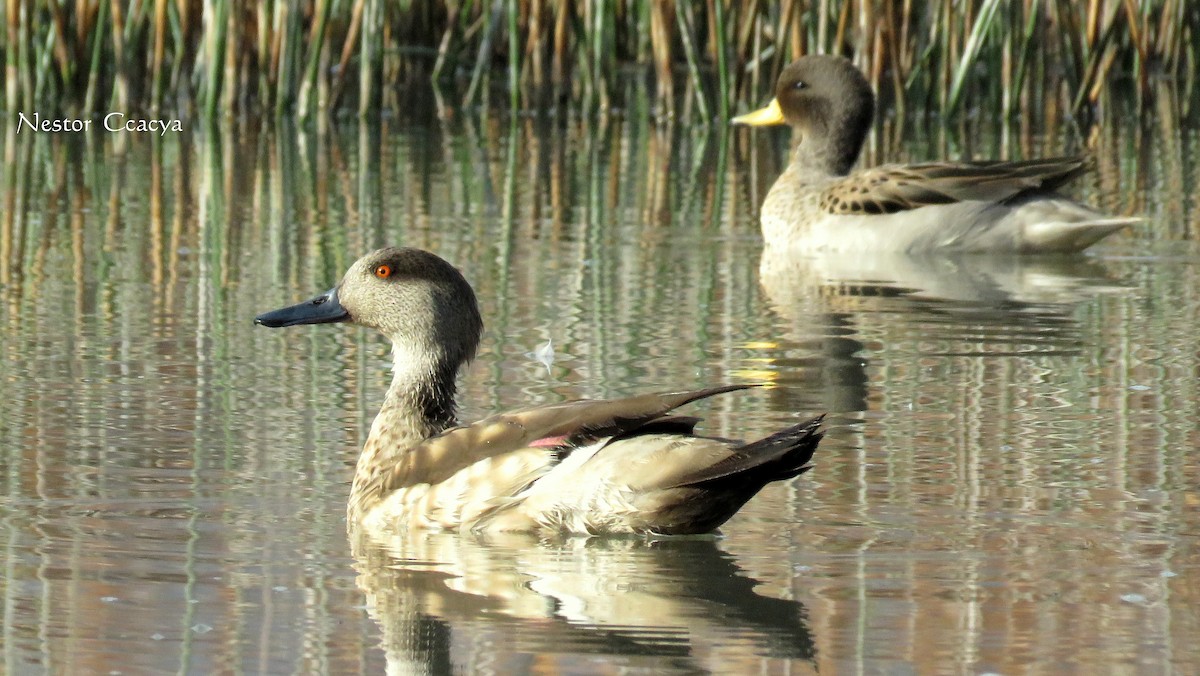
x=997, y=418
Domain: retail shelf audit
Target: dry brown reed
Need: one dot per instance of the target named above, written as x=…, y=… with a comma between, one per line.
x=703, y=58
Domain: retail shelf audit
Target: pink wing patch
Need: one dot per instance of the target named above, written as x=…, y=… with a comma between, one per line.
x=548, y=442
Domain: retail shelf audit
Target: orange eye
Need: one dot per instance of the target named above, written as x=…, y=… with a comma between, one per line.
x=383, y=271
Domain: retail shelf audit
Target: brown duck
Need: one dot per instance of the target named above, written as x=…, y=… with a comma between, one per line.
x=588, y=466
x=817, y=204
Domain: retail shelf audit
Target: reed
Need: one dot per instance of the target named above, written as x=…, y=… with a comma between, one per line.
x=301, y=57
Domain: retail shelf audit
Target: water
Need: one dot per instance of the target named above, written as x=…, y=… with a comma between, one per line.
x=1008, y=482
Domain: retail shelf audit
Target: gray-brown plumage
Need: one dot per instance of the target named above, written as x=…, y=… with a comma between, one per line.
x=817, y=204
x=604, y=466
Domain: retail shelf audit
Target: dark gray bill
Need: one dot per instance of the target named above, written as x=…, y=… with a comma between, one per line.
x=324, y=309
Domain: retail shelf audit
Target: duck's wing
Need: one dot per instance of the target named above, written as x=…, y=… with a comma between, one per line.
x=556, y=428
x=892, y=188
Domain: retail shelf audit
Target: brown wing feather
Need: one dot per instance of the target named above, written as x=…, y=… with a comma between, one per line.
x=892, y=188
x=780, y=456
x=440, y=457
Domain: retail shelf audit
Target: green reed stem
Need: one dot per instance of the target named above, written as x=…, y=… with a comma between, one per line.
x=1026, y=47
x=42, y=57
x=289, y=58
x=722, y=65
x=215, y=48
x=983, y=24
x=371, y=66
x=484, y=51
x=89, y=98
x=693, y=61
x=514, y=56
x=315, y=48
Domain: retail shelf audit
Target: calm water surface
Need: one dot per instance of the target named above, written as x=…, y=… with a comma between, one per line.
x=1009, y=483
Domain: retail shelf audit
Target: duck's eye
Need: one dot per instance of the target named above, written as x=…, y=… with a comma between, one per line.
x=800, y=84
x=383, y=271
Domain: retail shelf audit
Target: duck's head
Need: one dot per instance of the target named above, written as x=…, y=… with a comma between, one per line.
x=825, y=99
x=418, y=300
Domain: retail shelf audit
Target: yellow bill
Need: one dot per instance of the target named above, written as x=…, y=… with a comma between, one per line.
x=771, y=114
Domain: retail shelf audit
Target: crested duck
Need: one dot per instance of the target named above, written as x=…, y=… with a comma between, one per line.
x=588, y=467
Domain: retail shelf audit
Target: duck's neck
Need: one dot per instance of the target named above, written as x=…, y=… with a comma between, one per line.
x=829, y=150
x=419, y=404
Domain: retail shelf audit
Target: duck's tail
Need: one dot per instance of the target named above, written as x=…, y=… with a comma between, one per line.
x=701, y=501
x=782, y=455
x=1062, y=236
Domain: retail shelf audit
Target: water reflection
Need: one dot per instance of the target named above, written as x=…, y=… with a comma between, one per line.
x=1009, y=474
x=444, y=600
x=927, y=305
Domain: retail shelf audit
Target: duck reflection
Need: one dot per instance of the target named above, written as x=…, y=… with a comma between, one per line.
x=503, y=603
x=840, y=309
x=997, y=280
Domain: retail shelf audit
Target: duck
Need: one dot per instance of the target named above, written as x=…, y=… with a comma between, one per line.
x=820, y=204
x=587, y=467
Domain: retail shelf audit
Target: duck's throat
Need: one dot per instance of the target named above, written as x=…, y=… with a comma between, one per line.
x=419, y=404
x=829, y=151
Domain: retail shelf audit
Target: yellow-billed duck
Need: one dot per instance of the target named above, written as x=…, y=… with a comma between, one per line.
x=817, y=204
